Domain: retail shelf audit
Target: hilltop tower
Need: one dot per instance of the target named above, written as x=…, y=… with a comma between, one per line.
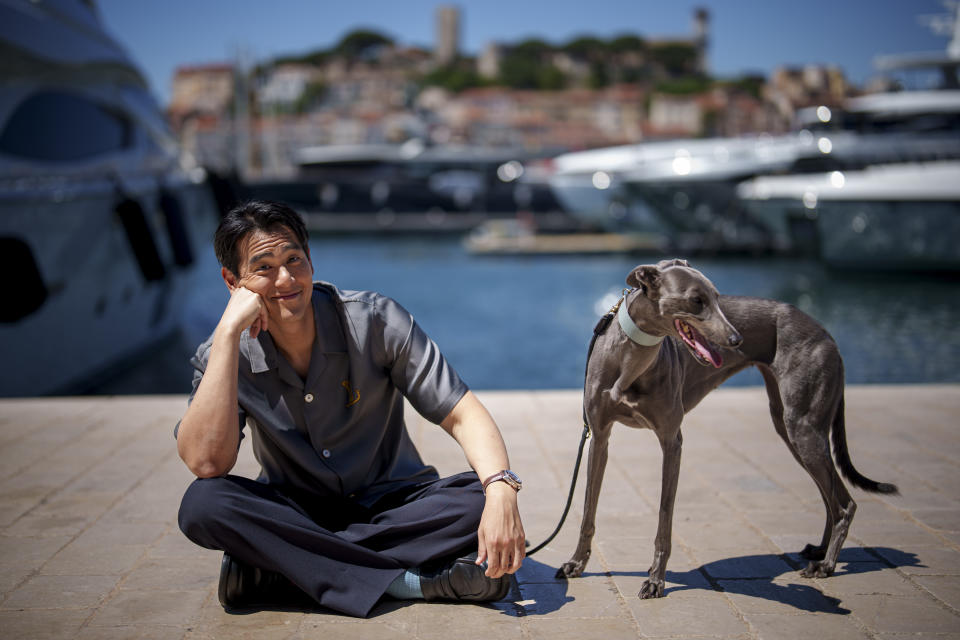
x=448, y=35
x=701, y=37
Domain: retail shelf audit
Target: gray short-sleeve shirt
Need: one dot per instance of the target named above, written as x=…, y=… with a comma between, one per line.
x=341, y=431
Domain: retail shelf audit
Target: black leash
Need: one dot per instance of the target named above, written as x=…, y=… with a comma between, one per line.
x=602, y=325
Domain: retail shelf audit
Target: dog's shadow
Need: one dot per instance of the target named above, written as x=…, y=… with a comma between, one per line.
x=754, y=576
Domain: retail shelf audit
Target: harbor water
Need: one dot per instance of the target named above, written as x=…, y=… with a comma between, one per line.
x=525, y=322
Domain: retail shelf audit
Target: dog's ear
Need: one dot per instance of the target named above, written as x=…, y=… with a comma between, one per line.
x=646, y=277
x=674, y=262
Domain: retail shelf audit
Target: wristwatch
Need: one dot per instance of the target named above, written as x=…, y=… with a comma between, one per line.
x=507, y=476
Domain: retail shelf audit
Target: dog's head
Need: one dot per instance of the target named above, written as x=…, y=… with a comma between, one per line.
x=688, y=307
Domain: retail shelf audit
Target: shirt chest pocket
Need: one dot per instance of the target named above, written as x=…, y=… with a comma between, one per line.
x=270, y=407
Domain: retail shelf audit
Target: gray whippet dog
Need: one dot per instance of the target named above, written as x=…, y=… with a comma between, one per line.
x=675, y=340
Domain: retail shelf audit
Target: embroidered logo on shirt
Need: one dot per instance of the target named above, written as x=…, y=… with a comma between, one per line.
x=353, y=395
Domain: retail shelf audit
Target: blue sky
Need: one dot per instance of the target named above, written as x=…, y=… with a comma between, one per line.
x=746, y=35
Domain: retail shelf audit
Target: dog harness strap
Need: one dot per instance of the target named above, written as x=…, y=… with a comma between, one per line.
x=633, y=331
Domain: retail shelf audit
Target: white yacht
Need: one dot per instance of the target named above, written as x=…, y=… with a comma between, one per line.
x=689, y=187
x=668, y=186
x=99, y=216
x=891, y=200
x=903, y=217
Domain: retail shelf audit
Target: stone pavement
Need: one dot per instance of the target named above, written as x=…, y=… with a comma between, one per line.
x=89, y=489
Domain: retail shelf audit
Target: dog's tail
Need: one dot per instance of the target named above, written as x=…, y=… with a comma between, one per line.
x=842, y=455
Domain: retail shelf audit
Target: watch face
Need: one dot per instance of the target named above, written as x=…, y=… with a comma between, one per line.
x=512, y=478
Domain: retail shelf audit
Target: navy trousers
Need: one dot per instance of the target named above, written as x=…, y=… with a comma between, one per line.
x=340, y=553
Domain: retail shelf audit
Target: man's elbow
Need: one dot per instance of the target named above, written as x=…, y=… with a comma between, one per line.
x=207, y=466
x=208, y=469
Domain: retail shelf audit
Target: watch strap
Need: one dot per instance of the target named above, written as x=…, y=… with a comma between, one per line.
x=501, y=476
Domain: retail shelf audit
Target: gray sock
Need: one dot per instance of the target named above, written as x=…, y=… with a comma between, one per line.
x=406, y=586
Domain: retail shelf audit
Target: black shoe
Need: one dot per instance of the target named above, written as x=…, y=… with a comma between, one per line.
x=242, y=586
x=463, y=580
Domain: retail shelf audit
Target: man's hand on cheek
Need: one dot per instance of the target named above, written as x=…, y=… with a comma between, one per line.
x=245, y=309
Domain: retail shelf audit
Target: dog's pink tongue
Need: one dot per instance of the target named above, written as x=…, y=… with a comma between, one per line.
x=708, y=354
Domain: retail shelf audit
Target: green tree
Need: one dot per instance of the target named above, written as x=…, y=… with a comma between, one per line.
x=519, y=72
x=633, y=74
x=312, y=95
x=627, y=43
x=316, y=58
x=676, y=58
x=750, y=84
x=523, y=72
x=685, y=85
x=586, y=48
x=527, y=65
x=532, y=47
x=599, y=77
x=549, y=78
x=358, y=42
x=454, y=77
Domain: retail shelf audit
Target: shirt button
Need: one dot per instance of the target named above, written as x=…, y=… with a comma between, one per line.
x=308, y=397
x=326, y=453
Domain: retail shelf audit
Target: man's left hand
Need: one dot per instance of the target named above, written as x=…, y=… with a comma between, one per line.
x=502, y=540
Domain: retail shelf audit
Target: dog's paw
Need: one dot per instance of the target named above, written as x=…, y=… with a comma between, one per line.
x=572, y=569
x=817, y=570
x=651, y=589
x=813, y=552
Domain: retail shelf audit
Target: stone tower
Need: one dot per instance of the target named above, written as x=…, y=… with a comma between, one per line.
x=448, y=35
x=701, y=37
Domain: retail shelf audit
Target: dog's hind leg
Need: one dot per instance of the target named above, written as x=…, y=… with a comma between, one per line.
x=671, y=444
x=840, y=507
x=809, y=552
x=807, y=417
x=596, y=463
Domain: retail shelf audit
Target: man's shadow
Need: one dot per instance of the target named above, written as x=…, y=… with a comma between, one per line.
x=540, y=592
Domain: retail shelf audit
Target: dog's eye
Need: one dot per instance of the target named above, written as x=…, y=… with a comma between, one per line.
x=698, y=301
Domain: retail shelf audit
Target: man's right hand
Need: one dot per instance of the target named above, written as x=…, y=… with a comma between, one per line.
x=245, y=309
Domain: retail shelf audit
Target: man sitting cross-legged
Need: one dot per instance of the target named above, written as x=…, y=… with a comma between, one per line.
x=344, y=510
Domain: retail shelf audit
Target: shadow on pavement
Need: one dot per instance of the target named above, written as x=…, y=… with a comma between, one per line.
x=537, y=591
x=755, y=576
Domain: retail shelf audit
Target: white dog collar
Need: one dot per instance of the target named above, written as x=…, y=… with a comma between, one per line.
x=633, y=331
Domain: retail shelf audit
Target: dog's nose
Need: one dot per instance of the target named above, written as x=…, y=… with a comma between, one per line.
x=734, y=339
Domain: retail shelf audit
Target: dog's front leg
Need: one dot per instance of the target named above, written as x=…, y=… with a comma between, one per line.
x=597, y=462
x=632, y=364
x=619, y=386
x=671, y=446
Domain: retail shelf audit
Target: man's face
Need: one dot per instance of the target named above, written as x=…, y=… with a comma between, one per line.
x=275, y=266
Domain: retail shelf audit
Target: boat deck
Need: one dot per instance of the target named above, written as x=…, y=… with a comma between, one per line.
x=89, y=491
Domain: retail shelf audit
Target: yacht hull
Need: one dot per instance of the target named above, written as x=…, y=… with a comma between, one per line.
x=99, y=307
x=890, y=236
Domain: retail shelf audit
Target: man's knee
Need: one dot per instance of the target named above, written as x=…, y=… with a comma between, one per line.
x=469, y=499
x=202, y=509
x=475, y=497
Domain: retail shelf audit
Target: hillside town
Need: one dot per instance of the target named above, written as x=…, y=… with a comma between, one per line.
x=251, y=119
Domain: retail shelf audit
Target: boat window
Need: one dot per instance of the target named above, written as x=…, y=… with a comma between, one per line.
x=914, y=122
x=59, y=126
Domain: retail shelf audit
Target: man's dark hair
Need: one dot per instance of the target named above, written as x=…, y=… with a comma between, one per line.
x=255, y=215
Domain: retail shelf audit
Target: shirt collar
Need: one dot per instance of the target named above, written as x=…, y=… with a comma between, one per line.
x=260, y=352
